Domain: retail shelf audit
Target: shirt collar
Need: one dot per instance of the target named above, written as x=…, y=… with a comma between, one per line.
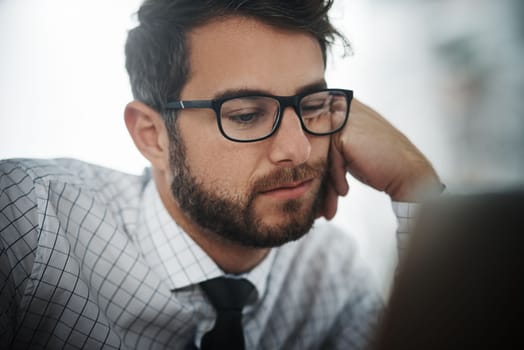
x=175, y=257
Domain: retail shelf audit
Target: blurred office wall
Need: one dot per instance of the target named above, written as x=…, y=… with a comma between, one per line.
x=481, y=61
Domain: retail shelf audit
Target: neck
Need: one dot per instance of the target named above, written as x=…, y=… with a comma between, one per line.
x=229, y=256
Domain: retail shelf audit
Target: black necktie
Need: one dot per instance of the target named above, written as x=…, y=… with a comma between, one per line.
x=228, y=296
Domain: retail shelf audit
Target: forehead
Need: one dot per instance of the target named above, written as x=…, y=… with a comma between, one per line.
x=240, y=53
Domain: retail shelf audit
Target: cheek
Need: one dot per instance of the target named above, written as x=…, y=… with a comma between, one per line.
x=319, y=147
x=199, y=136
x=224, y=171
x=218, y=163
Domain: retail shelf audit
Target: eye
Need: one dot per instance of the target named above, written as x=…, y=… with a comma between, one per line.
x=247, y=119
x=244, y=118
x=312, y=107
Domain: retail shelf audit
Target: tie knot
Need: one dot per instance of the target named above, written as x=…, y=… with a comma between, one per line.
x=227, y=293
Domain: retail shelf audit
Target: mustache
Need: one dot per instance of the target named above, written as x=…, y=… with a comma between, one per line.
x=284, y=176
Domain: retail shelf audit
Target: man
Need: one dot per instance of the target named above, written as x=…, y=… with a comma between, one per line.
x=247, y=147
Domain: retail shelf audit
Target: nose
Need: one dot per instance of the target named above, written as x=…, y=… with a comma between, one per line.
x=290, y=146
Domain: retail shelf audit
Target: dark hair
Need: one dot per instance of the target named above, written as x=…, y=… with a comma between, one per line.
x=156, y=51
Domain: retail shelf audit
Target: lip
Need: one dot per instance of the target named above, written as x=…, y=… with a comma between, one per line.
x=289, y=191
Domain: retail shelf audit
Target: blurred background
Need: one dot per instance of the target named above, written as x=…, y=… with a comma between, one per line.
x=448, y=73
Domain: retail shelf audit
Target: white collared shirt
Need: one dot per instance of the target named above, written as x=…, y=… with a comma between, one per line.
x=90, y=258
x=176, y=258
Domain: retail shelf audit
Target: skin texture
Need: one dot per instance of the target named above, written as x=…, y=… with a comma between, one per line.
x=242, y=53
x=379, y=155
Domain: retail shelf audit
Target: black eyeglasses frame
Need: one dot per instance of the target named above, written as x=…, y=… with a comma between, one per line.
x=283, y=101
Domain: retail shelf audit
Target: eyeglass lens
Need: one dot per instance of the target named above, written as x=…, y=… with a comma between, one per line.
x=253, y=117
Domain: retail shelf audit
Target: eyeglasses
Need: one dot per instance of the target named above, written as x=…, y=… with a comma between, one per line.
x=250, y=118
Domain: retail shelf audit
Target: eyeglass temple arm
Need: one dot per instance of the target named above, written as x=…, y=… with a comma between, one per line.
x=189, y=104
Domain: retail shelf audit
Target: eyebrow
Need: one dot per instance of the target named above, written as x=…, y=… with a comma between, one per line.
x=321, y=84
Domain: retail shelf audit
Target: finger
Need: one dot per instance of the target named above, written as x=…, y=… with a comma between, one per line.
x=338, y=171
x=331, y=203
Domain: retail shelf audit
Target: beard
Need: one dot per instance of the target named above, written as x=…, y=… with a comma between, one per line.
x=232, y=217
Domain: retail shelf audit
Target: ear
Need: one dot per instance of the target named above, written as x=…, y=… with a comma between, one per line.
x=148, y=131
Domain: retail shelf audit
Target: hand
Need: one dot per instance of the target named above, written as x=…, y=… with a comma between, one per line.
x=379, y=155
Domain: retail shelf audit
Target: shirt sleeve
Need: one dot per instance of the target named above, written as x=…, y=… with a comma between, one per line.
x=356, y=325
x=18, y=241
x=406, y=213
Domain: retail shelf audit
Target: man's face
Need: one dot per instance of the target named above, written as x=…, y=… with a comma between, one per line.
x=258, y=194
